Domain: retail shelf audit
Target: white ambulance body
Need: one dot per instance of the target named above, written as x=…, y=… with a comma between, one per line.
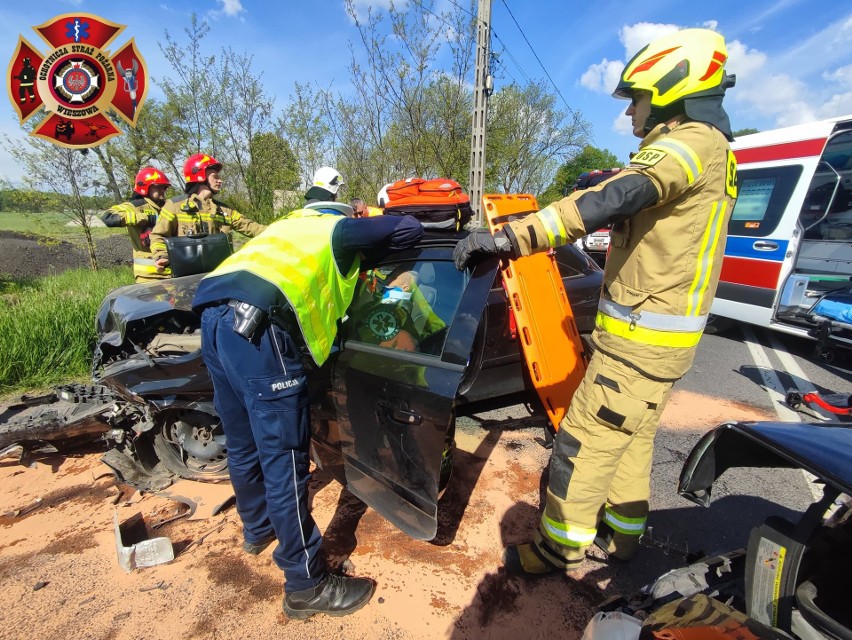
x=790, y=235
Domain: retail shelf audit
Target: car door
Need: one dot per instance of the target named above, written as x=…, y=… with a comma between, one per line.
x=406, y=342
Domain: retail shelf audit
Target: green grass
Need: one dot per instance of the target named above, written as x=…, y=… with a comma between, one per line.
x=47, y=326
x=50, y=225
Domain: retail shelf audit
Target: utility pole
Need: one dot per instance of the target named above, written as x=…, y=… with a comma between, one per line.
x=482, y=87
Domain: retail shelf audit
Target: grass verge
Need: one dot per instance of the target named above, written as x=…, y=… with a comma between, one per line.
x=47, y=326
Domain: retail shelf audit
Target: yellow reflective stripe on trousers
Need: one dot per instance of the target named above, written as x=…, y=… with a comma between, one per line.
x=553, y=227
x=706, y=256
x=681, y=152
x=627, y=526
x=568, y=535
x=643, y=335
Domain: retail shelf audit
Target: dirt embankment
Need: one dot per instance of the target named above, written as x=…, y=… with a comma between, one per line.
x=25, y=256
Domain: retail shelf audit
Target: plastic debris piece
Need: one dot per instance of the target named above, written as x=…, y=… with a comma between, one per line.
x=145, y=553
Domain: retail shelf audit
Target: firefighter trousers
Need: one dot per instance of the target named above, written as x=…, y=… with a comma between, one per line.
x=600, y=468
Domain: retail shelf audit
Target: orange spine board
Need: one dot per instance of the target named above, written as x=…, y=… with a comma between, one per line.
x=548, y=333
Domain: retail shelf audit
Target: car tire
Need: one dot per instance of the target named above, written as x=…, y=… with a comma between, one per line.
x=191, y=445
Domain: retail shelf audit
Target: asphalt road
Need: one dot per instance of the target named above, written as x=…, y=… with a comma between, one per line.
x=739, y=365
x=749, y=366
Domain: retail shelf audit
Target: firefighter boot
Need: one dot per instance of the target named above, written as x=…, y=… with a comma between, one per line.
x=335, y=596
x=527, y=560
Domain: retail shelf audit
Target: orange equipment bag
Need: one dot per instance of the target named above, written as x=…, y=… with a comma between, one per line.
x=550, y=340
x=438, y=204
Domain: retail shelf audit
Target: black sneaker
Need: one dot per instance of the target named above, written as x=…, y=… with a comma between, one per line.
x=334, y=596
x=256, y=548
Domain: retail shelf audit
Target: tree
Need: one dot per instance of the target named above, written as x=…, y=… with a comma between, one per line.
x=191, y=94
x=744, y=132
x=306, y=126
x=68, y=173
x=273, y=167
x=527, y=137
x=410, y=112
x=219, y=105
x=589, y=159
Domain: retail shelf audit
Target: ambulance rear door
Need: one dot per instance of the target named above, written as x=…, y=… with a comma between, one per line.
x=774, y=171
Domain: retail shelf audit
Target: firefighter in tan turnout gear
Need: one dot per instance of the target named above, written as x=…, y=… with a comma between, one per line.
x=139, y=215
x=196, y=212
x=670, y=209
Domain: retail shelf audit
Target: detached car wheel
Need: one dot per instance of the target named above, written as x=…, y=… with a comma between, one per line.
x=192, y=445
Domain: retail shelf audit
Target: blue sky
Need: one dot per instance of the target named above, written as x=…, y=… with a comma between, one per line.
x=792, y=58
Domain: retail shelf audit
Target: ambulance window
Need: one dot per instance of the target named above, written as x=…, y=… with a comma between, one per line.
x=827, y=211
x=762, y=199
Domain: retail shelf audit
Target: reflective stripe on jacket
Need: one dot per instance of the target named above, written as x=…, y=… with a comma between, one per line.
x=663, y=267
x=139, y=216
x=295, y=255
x=190, y=215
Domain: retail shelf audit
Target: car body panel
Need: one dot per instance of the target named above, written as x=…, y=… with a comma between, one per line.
x=824, y=450
x=395, y=407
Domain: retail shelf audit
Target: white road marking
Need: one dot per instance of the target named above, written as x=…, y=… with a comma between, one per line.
x=771, y=382
x=777, y=394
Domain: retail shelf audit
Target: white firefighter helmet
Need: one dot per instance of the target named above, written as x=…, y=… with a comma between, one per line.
x=328, y=178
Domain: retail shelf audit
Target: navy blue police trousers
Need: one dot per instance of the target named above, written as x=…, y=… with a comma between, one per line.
x=261, y=395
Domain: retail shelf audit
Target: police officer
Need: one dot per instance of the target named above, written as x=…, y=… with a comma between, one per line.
x=670, y=209
x=196, y=211
x=284, y=290
x=139, y=215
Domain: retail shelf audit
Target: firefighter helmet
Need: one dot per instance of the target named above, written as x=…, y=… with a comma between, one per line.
x=147, y=177
x=684, y=64
x=329, y=179
x=197, y=166
x=685, y=74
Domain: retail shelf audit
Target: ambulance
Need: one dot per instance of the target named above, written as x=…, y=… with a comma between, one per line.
x=790, y=234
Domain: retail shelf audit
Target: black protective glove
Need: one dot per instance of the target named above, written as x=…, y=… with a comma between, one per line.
x=479, y=245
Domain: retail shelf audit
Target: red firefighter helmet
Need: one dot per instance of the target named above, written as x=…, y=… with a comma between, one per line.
x=146, y=177
x=196, y=167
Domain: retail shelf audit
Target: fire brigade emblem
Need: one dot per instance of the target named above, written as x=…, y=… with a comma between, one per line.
x=77, y=86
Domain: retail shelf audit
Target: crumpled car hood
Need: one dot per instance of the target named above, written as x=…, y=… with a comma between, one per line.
x=140, y=301
x=824, y=450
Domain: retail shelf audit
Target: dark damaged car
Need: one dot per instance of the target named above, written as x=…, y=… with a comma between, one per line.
x=791, y=580
x=421, y=341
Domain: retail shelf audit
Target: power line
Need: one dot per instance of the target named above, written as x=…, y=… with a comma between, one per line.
x=511, y=57
x=509, y=53
x=558, y=92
